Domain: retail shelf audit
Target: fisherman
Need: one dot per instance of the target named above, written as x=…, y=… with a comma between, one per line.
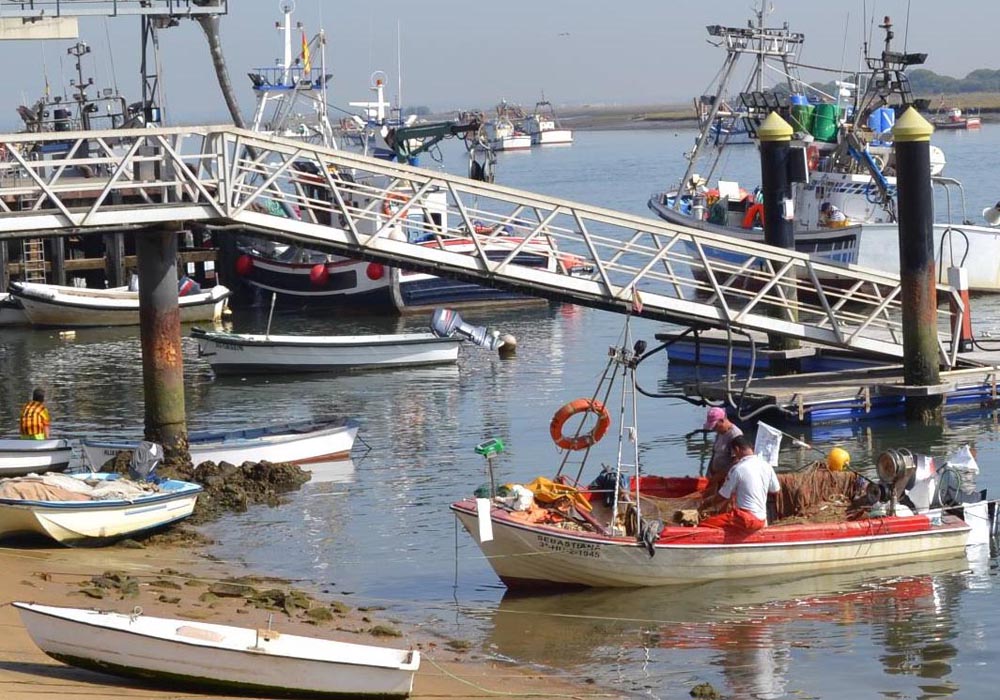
x=747, y=486
x=725, y=432
x=35, y=417
x=831, y=216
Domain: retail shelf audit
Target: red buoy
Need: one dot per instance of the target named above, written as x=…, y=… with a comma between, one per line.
x=244, y=265
x=319, y=275
x=375, y=271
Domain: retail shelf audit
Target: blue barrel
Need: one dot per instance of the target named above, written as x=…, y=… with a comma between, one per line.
x=799, y=100
x=825, y=122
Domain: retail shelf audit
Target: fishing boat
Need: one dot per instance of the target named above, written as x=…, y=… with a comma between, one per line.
x=845, y=144
x=245, y=353
x=502, y=131
x=627, y=528
x=213, y=657
x=18, y=457
x=50, y=305
x=298, y=443
x=955, y=118
x=544, y=128
x=92, y=508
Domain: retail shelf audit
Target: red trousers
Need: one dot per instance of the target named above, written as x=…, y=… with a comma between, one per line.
x=736, y=518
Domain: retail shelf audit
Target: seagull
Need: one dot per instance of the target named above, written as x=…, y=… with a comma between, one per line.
x=563, y=33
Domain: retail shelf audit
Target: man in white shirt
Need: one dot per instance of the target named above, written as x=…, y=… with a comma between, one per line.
x=747, y=486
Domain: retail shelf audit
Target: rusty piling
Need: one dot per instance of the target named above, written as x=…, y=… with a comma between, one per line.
x=775, y=147
x=917, y=270
x=160, y=331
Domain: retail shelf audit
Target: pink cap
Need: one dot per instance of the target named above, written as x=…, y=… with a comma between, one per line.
x=715, y=414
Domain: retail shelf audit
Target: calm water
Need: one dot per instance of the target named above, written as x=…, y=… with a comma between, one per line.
x=379, y=529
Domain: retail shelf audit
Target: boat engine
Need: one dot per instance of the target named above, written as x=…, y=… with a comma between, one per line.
x=911, y=480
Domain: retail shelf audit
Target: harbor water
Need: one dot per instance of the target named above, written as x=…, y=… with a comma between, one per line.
x=376, y=531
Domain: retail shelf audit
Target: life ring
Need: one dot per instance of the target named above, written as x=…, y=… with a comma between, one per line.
x=754, y=213
x=387, y=201
x=580, y=442
x=812, y=158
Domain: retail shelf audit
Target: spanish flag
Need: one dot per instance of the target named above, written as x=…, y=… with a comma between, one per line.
x=306, y=64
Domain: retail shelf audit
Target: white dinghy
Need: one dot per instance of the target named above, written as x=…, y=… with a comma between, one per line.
x=218, y=657
x=19, y=457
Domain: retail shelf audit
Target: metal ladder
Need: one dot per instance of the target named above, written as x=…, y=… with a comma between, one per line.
x=33, y=260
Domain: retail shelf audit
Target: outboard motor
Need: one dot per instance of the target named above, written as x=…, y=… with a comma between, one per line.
x=896, y=472
x=146, y=457
x=445, y=323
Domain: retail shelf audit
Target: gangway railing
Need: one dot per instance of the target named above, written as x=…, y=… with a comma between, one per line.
x=446, y=225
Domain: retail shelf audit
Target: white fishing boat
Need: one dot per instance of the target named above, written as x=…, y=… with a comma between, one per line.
x=51, y=305
x=544, y=127
x=845, y=141
x=214, y=657
x=11, y=312
x=298, y=443
x=502, y=131
x=236, y=353
x=623, y=531
x=18, y=457
x=91, y=509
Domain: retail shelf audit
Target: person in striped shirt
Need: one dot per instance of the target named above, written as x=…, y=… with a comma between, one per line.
x=35, y=418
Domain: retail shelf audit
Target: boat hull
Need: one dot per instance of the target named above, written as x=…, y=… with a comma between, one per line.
x=552, y=137
x=69, y=307
x=97, y=522
x=218, y=657
x=19, y=457
x=11, y=312
x=230, y=353
x=534, y=556
x=255, y=445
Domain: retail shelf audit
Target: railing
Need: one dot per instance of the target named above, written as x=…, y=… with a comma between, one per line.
x=450, y=226
x=39, y=9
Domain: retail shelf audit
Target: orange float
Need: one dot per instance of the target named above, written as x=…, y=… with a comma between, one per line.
x=585, y=440
x=387, y=202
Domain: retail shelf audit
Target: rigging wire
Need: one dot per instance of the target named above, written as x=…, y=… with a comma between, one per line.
x=111, y=57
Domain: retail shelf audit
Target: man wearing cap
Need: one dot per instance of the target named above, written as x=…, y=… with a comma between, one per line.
x=725, y=432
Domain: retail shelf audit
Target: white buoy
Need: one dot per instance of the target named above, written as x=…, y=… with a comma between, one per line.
x=508, y=346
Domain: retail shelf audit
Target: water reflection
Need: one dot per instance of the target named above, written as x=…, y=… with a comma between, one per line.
x=748, y=632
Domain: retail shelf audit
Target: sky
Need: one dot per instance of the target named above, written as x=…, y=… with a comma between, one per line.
x=463, y=55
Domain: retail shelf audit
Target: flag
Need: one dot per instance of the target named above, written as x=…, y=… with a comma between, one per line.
x=305, y=53
x=636, y=301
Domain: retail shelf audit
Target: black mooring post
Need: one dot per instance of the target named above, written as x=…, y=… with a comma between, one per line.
x=775, y=146
x=917, y=270
x=160, y=332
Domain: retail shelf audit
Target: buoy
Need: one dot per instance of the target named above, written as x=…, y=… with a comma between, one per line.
x=244, y=265
x=375, y=271
x=838, y=459
x=508, y=347
x=319, y=275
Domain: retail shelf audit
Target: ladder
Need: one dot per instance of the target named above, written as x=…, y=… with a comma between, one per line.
x=33, y=260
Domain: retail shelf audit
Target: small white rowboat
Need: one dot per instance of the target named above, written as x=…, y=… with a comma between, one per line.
x=232, y=353
x=74, y=307
x=299, y=443
x=218, y=657
x=18, y=457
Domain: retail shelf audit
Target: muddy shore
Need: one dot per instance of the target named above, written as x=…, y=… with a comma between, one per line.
x=164, y=579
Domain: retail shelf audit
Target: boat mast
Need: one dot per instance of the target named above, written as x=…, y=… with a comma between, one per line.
x=763, y=43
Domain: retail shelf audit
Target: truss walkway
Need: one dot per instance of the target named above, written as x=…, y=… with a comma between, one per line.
x=445, y=225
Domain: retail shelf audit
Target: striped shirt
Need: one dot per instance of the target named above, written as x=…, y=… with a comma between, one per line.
x=34, y=420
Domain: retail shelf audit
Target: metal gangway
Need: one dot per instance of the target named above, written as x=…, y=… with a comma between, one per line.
x=240, y=181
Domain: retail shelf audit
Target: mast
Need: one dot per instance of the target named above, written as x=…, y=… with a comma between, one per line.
x=764, y=44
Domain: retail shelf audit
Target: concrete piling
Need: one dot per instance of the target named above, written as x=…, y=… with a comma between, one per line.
x=160, y=333
x=921, y=364
x=775, y=147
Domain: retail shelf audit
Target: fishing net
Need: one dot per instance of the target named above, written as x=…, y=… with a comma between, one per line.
x=817, y=494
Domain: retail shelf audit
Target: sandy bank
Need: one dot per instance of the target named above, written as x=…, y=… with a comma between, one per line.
x=166, y=580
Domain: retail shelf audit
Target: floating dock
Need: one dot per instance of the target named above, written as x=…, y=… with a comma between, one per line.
x=850, y=387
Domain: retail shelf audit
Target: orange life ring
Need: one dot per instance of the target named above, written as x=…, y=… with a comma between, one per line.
x=812, y=158
x=389, y=199
x=756, y=211
x=580, y=442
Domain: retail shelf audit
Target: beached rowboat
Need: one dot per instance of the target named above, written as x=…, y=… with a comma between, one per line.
x=234, y=353
x=65, y=307
x=97, y=516
x=218, y=657
x=18, y=457
x=299, y=443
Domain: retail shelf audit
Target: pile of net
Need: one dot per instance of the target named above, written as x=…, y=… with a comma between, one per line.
x=818, y=495
x=60, y=487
